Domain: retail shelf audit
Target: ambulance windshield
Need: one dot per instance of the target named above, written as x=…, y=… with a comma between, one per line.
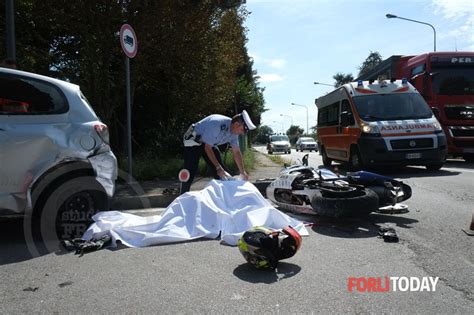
x=392, y=107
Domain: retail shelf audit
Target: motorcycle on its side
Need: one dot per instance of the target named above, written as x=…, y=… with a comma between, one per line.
x=305, y=190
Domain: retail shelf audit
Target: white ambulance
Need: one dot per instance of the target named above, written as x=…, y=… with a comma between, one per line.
x=387, y=122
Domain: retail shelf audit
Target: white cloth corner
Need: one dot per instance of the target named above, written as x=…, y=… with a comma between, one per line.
x=228, y=208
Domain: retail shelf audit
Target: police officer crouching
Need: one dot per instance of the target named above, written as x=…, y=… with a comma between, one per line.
x=202, y=139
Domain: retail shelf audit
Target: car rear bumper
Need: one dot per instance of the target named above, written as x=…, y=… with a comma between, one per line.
x=105, y=167
x=309, y=148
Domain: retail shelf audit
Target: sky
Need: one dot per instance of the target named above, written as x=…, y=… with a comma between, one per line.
x=295, y=43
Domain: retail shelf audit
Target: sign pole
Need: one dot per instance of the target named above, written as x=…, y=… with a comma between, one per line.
x=129, y=119
x=128, y=41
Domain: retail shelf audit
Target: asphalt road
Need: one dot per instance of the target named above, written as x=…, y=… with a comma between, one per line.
x=207, y=277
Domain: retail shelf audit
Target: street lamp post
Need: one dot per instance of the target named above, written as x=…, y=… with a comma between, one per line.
x=283, y=115
x=307, y=130
x=392, y=16
x=324, y=84
x=280, y=122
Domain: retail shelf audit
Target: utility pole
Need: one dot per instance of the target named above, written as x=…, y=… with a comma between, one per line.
x=10, y=29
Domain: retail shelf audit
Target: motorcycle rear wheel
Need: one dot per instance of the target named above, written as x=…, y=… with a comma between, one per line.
x=356, y=206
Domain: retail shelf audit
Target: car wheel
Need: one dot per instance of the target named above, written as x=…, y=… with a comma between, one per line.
x=468, y=158
x=358, y=206
x=326, y=161
x=68, y=211
x=434, y=167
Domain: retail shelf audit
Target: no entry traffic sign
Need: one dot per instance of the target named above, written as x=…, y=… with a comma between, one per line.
x=128, y=40
x=184, y=175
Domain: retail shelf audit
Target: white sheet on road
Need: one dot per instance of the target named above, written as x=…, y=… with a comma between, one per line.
x=228, y=208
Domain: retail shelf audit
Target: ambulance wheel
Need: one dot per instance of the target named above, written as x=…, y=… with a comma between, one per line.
x=355, y=161
x=361, y=205
x=326, y=161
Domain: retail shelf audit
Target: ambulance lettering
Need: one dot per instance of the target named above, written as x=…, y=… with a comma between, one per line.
x=389, y=129
x=409, y=126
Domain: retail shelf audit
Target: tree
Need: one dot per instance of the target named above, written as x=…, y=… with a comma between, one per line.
x=191, y=62
x=370, y=62
x=342, y=78
x=262, y=134
x=294, y=132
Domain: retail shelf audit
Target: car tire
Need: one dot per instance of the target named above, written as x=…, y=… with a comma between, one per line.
x=469, y=157
x=434, y=167
x=68, y=210
x=326, y=161
x=359, y=206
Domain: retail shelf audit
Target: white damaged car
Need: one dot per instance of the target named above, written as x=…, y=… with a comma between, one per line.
x=56, y=164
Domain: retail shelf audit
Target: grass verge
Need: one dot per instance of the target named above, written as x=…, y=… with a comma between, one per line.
x=148, y=167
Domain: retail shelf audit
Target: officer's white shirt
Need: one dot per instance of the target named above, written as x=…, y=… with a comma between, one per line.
x=215, y=130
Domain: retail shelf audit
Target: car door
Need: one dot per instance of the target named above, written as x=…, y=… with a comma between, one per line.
x=31, y=113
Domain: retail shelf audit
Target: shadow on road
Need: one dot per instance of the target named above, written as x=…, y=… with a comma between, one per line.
x=359, y=227
x=249, y=273
x=13, y=246
x=17, y=246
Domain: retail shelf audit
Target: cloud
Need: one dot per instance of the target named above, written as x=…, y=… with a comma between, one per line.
x=451, y=9
x=458, y=11
x=271, y=77
x=276, y=63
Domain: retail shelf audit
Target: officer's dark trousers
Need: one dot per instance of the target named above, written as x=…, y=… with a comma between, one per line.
x=191, y=162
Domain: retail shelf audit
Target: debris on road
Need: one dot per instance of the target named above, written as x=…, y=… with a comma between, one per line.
x=81, y=246
x=388, y=234
x=470, y=230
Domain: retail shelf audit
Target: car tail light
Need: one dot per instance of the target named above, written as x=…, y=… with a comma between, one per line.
x=103, y=132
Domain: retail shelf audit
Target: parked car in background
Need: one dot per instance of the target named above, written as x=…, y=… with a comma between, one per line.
x=279, y=143
x=56, y=164
x=306, y=143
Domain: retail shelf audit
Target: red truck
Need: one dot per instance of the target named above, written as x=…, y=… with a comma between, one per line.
x=446, y=81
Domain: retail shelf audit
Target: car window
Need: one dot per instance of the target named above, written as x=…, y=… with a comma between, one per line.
x=24, y=96
x=279, y=138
